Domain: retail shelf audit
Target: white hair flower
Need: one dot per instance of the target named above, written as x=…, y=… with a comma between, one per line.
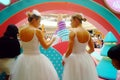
x=36, y=12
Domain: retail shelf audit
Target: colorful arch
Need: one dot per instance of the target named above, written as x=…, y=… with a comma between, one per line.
x=16, y=13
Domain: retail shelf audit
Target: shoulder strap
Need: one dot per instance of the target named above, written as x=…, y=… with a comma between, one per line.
x=34, y=33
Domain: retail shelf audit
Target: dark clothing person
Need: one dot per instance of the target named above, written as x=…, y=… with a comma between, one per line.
x=9, y=49
x=114, y=54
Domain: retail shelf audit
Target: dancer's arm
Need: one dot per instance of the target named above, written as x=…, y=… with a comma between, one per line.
x=42, y=41
x=91, y=46
x=70, y=44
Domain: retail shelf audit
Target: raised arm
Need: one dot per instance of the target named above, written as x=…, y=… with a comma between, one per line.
x=42, y=40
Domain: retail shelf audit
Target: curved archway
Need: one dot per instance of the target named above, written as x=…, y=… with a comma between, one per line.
x=65, y=6
x=89, y=19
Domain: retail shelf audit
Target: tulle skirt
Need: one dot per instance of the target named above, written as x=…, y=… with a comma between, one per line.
x=33, y=67
x=6, y=65
x=79, y=67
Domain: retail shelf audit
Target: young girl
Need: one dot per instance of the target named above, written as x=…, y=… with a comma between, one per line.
x=78, y=64
x=31, y=64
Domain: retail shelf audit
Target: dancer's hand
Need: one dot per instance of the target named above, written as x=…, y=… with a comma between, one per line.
x=54, y=37
x=63, y=59
x=63, y=63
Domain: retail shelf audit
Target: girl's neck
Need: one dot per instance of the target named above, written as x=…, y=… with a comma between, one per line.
x=31, y=25
x=79, y=25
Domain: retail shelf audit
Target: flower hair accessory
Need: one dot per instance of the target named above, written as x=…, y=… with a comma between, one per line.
x=37, y=13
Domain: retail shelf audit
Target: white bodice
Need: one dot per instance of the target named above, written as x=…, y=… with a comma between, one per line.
x=78, y=47
x=32, y=46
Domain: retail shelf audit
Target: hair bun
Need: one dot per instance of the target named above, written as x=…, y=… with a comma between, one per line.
x=84, y=19
x=28, y=14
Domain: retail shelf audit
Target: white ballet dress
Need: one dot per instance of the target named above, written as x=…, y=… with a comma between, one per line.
x=79, y=65
x=33, y=65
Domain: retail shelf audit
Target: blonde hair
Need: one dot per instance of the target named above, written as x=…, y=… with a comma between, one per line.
x=33, y=15
x=79, y=17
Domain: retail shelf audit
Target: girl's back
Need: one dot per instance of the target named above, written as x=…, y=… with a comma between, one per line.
x=82, y=35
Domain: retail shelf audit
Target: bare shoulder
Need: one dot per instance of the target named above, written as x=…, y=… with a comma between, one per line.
x=23, y=30
x=72, y=34
x=38, y=32
x=22, y=27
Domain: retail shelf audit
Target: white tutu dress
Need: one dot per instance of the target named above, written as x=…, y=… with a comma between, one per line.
x=32, y=65
x=79, y=65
